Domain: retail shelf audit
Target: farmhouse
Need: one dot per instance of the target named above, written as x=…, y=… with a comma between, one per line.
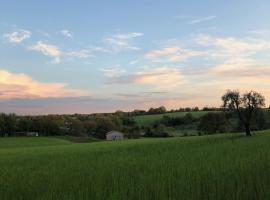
x=114, y=135
x=26, y=133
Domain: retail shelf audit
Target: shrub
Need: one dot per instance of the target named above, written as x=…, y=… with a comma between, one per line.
x=213, y=123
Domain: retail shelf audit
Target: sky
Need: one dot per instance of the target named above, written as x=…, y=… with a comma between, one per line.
x=89, y=56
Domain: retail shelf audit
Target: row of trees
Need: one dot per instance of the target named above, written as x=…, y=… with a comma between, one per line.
x=75, y=125
x=238, y=113
x=246, y=107
x=163, y=110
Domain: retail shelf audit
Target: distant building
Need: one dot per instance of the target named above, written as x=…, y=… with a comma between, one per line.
x=25, y=133
x=114, y=135
x=32, y=134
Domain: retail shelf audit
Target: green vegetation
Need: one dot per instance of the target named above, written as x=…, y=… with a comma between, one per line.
x=148, y=120
x=201, y=167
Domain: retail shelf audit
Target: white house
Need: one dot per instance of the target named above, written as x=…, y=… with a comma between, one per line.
x=114, y=135
x=32, y=134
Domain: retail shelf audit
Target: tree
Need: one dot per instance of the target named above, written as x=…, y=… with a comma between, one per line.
x=245, y=105
x=2, y=124
x=213, y=123
x=104, y=125
x=90, y=127
x=9, y=124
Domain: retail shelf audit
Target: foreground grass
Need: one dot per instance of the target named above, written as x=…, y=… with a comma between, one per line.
x=209, y=167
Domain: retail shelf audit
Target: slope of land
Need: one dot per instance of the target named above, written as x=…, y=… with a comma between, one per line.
x=146, y=120
x=206, y=167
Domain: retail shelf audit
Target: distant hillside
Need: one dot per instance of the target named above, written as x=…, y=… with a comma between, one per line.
x=148, y=120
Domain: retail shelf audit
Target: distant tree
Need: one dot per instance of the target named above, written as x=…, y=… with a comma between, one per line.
x=213, y=123
x=176, y=121
x=76, y=128
x=25, y=124
x=138, y=112
x=188, y=109
x=104, y=125
x=196, y=109
x=181, y=109
x=188, y=118
x=156, y=131
x=10, y=124
x=245, y=105
x=159, y=110
x=90, y=127
x=259, y=121
x=2, y=125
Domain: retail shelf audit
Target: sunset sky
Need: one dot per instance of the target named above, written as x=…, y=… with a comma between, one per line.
x=100, y=56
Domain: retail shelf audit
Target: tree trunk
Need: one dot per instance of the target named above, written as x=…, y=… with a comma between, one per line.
x=247, y=127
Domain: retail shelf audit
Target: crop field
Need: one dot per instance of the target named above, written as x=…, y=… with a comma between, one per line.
x=146, y=120
x=200, y=167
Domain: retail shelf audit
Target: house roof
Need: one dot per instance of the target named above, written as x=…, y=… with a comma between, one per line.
x=114, y=132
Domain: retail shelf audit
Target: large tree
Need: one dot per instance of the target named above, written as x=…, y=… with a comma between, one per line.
x=245, y=105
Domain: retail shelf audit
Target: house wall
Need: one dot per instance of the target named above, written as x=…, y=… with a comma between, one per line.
x=115, y=136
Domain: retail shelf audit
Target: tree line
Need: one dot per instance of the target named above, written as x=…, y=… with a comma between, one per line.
x=75, y=125
x=238, y=113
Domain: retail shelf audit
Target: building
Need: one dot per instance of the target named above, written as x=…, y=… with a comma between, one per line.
x=32, y=134
x=114, y=135
x=25, y=133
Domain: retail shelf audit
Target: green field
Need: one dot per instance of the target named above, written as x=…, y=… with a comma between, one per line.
x=206, y=167
x=146, y=120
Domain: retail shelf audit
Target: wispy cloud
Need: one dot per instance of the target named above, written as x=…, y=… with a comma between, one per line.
x=133, y=62
x=67, y=33
x=232, y=46
x=173, y=54
x=18, y=36
x=240, y=67
x=57, y=54
x=203, y=19
x=48, y=50
x=14, y=86
x=113, y=72
x=123, y=41
x=83, y=53
x=160, y=78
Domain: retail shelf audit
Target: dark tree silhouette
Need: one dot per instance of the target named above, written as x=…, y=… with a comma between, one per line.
x=245, y=105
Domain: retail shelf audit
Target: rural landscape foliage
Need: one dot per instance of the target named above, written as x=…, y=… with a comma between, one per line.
x=156, y=122
x=134, y=100
x=59, y=166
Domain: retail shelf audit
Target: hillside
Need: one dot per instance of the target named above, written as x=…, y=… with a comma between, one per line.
x=146, y=120
x=207, y=167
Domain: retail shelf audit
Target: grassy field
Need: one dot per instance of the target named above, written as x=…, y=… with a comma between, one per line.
x=206, y=167
x=146, y=120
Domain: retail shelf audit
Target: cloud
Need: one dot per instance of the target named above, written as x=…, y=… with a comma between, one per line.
x=54, y=52
x=66, y=105
x=47, y=50
x=113, y=72
x=18, y=36
x=123, y=41
x=240, y=67
x=83, y=53
x=236, y=57
x=203, y=19
x=23, y=86
x=67, y=33
x=173, y=54
x=133, y=62
x=160, y=78
x=140, y=95
x=232, y=46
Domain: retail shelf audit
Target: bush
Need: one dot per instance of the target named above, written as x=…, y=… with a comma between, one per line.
x=156, y=131
x=213, y=123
